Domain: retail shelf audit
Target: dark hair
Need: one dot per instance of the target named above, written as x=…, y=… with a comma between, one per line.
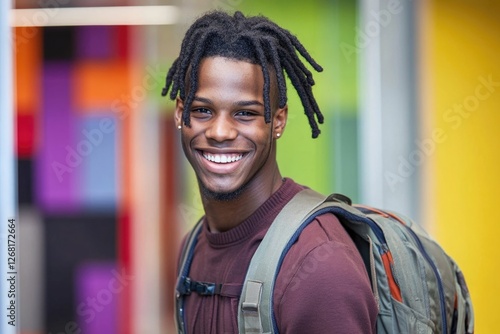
x=254, y=39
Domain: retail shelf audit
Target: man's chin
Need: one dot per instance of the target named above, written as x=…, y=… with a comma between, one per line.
x=222, y=196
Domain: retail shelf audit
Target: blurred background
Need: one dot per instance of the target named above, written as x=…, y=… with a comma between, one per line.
x=411, y=97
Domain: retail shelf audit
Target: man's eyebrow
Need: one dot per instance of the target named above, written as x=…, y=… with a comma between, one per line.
x=244, y=103
x=248, y=103
x=202, y=99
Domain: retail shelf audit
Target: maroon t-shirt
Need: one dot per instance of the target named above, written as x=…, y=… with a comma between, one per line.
x=322, y=286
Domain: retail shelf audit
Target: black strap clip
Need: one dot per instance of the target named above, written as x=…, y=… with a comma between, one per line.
x=186, y=286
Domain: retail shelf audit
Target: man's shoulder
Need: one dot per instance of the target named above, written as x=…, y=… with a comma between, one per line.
x=322, y=248
x=323, y=243
x=323, y=277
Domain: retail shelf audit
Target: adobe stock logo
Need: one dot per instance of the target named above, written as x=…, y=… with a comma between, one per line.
x=372, y=29
x=307, y=268
x=454, y=117
x=120, y=108
x=105, y=296
x=74, y=157
x=88, y=309
x=48, y=9
x=191, y=212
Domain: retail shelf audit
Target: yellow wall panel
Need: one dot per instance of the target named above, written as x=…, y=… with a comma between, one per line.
x=462, y=67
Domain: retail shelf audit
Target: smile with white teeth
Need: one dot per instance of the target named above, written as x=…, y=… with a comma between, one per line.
x=222, y=158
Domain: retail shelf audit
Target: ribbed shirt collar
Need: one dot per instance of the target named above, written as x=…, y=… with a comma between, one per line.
x=258, y=221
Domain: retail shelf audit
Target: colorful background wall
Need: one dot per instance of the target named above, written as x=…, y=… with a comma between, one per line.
x=410, y=93
x=72, y=145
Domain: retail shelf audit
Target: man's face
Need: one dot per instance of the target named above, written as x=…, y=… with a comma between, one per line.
x=229, y=144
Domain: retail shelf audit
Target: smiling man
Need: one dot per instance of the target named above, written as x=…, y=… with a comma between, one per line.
x=230, y=92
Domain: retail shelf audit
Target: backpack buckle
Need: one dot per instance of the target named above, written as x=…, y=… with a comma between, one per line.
x=203, y=288
x=186, y=286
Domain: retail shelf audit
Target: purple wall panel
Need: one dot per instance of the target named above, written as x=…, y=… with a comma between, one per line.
x=57, y=172
x=96, y=42
x=98, y=288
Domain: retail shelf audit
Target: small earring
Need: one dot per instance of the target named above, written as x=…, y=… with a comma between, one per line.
x=179, y=127
x=278, y=134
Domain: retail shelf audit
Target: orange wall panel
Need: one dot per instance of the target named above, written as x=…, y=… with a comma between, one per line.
x=101, y=86
x=28, y=58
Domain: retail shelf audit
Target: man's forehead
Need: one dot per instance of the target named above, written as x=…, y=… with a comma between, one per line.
x=227, y=73
x=216, y=72
x=203, y=64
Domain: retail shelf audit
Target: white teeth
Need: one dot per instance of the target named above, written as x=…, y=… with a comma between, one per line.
x=222, y=158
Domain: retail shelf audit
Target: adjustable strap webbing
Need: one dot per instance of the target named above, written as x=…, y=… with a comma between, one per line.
x=254, y=310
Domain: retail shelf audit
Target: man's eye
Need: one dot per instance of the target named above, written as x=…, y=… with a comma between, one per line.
x=246, y=113
x=201, y=112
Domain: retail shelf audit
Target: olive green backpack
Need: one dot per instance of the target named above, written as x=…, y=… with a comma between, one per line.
x=418, y=288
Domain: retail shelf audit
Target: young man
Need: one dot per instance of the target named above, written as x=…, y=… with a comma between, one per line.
x=229, y=86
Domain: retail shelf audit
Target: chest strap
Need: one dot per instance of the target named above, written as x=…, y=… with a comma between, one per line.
x=186, y=285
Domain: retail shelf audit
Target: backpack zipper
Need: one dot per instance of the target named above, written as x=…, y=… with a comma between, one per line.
x=424, y=253
x=434, y=269
x=439, y=280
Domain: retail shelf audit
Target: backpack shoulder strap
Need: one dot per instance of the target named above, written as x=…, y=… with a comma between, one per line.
x=186, y=258
x=254, y=309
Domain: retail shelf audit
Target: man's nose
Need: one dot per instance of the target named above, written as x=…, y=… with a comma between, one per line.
x=221, y=128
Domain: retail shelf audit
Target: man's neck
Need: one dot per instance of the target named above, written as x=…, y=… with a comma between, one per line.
x=225, y=215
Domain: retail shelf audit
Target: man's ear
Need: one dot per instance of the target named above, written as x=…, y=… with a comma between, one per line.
x=279, y=121
x=179, y=108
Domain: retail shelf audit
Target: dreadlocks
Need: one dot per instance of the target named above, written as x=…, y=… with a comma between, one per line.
x=254, y=39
